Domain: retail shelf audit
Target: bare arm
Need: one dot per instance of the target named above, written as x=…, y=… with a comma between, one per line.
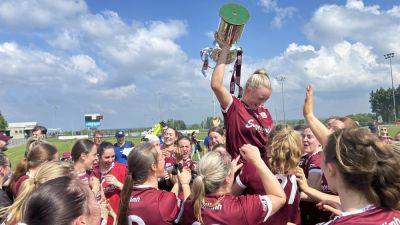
x=311, y=194
x=271, y=185
x=220, y=91
x=320, y=131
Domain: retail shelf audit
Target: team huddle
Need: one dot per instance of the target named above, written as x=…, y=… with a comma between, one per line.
x=251, y=172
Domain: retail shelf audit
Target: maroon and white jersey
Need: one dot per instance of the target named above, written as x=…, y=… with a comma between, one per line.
x=303, y=161
x=313, y=165
x=169, y=163
x=246, y=126
x=249, y=180
x=148, y=205
x=232, y=210
x=367, y=216
x=111, y=192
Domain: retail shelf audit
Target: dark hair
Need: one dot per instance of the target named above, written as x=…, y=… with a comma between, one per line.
x=183, y=137
x=367, y=165
x=140, y=160
x=103, y=146
x=81, y=146
x=58, y=201
x=300, y=128
x=43, y=130
x=216, y=130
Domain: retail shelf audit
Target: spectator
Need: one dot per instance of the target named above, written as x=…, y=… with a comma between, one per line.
x=121, y=147
x=4, y=142
x=5, y=172
x=39, y=132
x=97, y=137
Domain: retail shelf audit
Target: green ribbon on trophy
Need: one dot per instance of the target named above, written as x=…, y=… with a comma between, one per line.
x=230, y=29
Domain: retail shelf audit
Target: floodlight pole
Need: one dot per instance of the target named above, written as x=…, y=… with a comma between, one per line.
x=389, y=56
x=282, y=80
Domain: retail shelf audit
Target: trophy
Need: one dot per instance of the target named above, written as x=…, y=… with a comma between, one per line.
x=232, y=21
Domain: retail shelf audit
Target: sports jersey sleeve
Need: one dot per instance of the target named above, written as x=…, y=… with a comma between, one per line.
x=231, y=108
x=168, y=205
x=257, y=208
x=242, y=179
x=314, y=165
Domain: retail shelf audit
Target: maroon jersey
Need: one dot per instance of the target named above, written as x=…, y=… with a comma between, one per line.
x=303, y=161
x=17, y=185
x=111, y=192
x=367, y=216
x=246, y=126
x=149, y=205
x=245, y=209
x=250, y=180
x=310, y=214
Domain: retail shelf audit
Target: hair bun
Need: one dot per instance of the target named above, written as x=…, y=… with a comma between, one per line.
x=261, y=72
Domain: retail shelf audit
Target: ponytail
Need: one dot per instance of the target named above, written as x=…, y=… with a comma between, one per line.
x=367, y=165
x=124, y=201
x=45, y=172
x=213, y=168
x=198, y=194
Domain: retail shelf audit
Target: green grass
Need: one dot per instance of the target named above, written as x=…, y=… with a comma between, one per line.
x=15, y=154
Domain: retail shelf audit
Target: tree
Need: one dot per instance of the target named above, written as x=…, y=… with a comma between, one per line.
x=176, y=124
x=382, y=103
x=3, y=123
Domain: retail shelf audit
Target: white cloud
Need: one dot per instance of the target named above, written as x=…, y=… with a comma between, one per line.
x=370, y=25
x=36, y=67
x=65, y=40
x=119, y=92
x=281, y=13
x=16, y=14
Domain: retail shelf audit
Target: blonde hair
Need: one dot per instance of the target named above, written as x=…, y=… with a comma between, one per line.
x=213, y=168
x=285, y=150
x=47, y=171
x=260, y=78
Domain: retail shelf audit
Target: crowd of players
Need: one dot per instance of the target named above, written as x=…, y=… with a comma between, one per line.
x=251, y=172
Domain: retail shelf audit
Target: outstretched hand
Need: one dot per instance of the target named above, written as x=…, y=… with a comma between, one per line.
x=308, y=102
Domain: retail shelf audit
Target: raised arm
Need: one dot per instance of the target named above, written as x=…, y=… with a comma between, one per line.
x=220, y=91
x=271, y=185
x=320, y=131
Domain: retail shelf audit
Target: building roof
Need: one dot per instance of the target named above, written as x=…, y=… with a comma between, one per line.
x=26, y=125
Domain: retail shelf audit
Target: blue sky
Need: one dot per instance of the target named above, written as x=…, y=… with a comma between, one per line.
x=138, y=61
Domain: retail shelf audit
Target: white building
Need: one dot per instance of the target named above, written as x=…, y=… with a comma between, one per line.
x=21, y=129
